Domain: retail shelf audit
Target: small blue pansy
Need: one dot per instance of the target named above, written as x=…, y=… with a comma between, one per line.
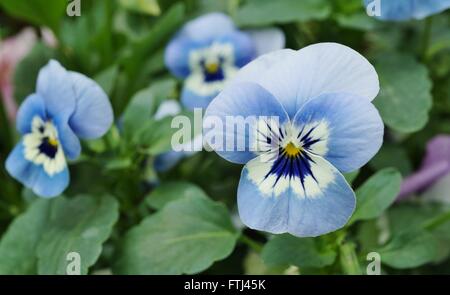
x=398, y=10
x=67, y=106
x=168, y=160
x=314, y=121
x=209, y=50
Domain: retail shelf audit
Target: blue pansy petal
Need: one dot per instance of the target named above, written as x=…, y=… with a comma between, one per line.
x=50, y=186
x=33, y=176
x=93, y=115
x=321, y=68
x=31, y=107
x=409, y=9
x=426, y=8
x=192, y=100
x=208, y=27
x=69, y=140
x=322, y=205
x=244, y=48
x=55, y=87
x=176, y=55
x=317, y=69
x=167, y=161
x=267, y=40
x=345, y=129
x=247, y=101
x=327, y=211
x=252, y=71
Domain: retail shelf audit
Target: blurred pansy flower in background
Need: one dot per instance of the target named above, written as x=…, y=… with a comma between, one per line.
x=433, y=177
x=325, y=125
x=208, y=51
x=168, y=160
x=12, y=51
x=400, y=10
x=66, y=107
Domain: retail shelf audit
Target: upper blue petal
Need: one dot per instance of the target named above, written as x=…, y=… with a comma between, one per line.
x=240, y=100
x=33, y=176
x=349, y=129
x=295, y=77
x=31, y=107
x=93, y=115
x=208, y=27
x=399, y=10
x=244, y=48
x=55, y=86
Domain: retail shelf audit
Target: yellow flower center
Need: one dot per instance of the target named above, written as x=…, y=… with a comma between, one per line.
x=212, y=68
x=291, y=150
x=53, y=142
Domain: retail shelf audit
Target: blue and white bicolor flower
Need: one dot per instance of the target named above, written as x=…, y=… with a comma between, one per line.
x=208, y=51
x=400, y=10
x=66, y=107
x=168, y=160
x=313, y=121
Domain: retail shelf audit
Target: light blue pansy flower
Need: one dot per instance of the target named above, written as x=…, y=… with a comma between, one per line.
x=67, y=106
x=313, y=120
x=398, y=10
x=209, y=50
x=168, y=160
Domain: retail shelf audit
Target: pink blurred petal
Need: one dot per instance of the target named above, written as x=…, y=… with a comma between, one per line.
x=436, y=164
x=12, y=51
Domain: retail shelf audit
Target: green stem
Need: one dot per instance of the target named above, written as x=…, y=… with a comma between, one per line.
x=349, y=260
x=438, y=221
x=254, y=245
x=426, y=37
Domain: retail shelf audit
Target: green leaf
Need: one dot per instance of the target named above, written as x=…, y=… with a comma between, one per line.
x=357, y=21
x=39, y=12
x=107, y=79
x=161, y=32
x=302, y=252
x=410, y=216
x=409, y=249
x=18, y=245
x=144, y=104
x=376, y=194
x=405, y=96
x=185, y=237
x=143, y=6
x=78, y=225
x=391, y=155
x=170, y=191
x=268, y=12
x=27, y=70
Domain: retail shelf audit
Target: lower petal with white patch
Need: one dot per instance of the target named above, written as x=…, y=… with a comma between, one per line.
x=320, y=203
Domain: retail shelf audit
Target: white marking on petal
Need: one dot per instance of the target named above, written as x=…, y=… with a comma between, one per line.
x=41, y=131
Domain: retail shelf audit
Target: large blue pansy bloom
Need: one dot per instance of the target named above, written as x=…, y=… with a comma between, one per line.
x=67, y=106
x=312, y=120
x=398, y=10
x=209, y=50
